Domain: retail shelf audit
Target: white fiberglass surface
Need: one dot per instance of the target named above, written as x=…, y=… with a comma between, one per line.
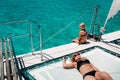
x=101, y=59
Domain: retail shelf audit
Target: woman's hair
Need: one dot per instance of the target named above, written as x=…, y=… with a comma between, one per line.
x=82, y=26
x=73, y=56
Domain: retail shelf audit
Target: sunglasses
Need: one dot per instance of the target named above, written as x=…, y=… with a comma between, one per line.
x=76, y=54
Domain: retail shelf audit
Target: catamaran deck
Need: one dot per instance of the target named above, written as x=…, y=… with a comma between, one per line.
x=95, y=56
x=104, y=55
x=54, y=71
x=62, y=50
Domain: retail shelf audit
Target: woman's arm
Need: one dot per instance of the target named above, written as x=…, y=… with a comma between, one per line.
x=67, y=66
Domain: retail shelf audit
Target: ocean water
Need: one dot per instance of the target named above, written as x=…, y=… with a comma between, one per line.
x=58, y=19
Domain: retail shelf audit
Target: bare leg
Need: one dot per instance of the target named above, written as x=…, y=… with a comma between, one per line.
x=89, y=78
x=103, y=76
x=75, y=40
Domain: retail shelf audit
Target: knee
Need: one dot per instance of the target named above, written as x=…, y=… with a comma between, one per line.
x=105, y=73
x=106, y=76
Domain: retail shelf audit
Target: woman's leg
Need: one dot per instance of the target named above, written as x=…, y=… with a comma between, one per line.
x=88, y=77
x=103, y=76
x=75, y=41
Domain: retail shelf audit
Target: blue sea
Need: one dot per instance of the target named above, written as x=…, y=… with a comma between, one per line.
x=58, y=19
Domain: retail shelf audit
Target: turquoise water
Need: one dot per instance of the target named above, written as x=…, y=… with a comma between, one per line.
x=53, y=16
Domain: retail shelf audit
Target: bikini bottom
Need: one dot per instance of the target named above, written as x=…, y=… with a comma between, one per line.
x=91, y=73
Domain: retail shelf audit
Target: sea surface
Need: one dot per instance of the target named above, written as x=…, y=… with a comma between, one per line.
x=58, y=19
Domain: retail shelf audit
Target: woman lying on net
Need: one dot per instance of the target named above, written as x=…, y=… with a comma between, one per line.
x=87, y=69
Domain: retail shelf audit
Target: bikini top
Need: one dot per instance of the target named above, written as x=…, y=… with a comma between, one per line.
x=80, y=63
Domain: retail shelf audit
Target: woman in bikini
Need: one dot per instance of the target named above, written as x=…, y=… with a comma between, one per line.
x=82, y=35
x=87, y=69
